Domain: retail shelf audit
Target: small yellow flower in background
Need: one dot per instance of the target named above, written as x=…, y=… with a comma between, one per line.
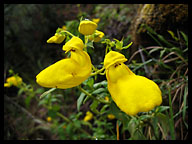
x=13, y=80
x=49, y=119
x=68, y=72
x=97, y=36
x=107, y=98
x=96, y=20
x=110, y=116
x=64, y=27
x=57, y=38
x=87, y=27
x=132, y=93
x=88, y=116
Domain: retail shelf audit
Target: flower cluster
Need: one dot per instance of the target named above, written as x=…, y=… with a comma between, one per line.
x=13, y=80
x=131, y=93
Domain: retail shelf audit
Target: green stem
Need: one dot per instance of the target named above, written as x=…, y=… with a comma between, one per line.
x=172, y=131
x=91, y=96
x=106, y=49
x=86, y=41
x=63, y=117
x=97, y=72
x=68, y=33
x=68, y=120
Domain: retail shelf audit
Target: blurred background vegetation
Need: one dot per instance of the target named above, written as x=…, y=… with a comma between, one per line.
x=27, y=28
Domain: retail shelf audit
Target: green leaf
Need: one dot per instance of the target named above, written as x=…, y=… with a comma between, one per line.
x=87, y=124
x=58, y=30
x=39, y=90
x=87, y=97
x=144, y=117
x=102, y=83
x=28, y=100
x=90, y=82
x=90, y=44
x=162, y=52
x=47, y=92
x=160, y=109
x=172, y=35
x=93, y=106
x=164, y=121
x=21, y=90
x=80, y=100
x=185, y=37
x=125, y=47
x=99, y=90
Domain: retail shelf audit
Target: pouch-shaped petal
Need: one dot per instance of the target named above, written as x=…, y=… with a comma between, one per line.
x=131, y=93
x=69, y=72
x=87, y=27
x=57, y=38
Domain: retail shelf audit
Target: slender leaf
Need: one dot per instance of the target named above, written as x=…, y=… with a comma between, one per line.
x=80, y=100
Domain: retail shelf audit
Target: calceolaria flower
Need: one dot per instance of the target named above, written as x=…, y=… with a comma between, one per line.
x=97, y=36
x=13, y=80
x=57, y=38
x=87, y=27
x=110, y=116
x=88, y=116
x=68, y=72
x=96, y=20
x=132, y=93
x=49, y=119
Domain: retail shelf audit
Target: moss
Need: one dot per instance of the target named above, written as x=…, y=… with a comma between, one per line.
x=160, y=17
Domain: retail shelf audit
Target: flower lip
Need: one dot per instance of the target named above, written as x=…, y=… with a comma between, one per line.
x=73, y=43
x=113, y=57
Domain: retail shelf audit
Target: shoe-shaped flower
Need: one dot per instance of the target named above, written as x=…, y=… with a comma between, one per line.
x=13, y=80
x=132, y=93
x=57, y=38
x=87, y=27
x=97, y=36
x=88, y=116
x=68, y=72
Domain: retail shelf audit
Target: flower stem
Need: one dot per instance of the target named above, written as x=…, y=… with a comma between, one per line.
x=68, y=33
x=97, y=72
x=86, y=41
x=91, y=96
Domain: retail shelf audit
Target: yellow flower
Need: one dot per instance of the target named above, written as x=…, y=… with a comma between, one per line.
x=14, y=80
x=88, y=116
x=69, y=72
x=57, y=38
x=97, y=36
x=64, y=27
x=96, y=20
x=87, y=27
x=110, y=116
x=132, y=93
x=107, y=98
x=49, y=119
